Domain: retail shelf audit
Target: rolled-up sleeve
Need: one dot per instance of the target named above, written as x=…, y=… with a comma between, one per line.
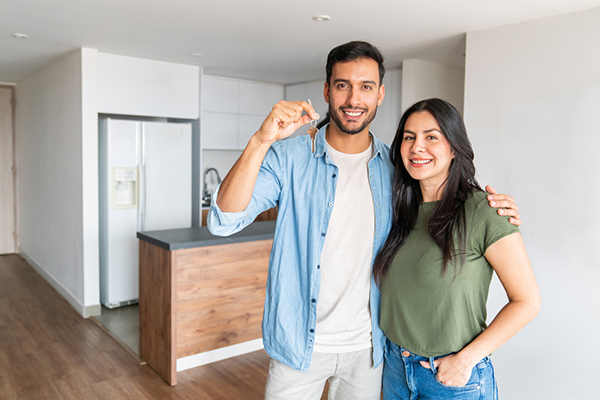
x=224, y=223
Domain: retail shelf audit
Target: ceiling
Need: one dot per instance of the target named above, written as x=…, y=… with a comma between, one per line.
x=265, y=40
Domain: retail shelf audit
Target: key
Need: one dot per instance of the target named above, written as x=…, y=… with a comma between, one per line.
x=312, y=131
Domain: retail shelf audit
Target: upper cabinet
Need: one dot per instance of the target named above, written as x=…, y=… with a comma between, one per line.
x=220, y=95
x=134, y=86
x=233, y=110
x=259, y=98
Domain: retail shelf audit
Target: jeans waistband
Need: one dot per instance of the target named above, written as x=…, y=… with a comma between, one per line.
x=407, y=354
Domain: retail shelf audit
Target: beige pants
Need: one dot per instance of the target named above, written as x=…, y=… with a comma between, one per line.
x=350, y=376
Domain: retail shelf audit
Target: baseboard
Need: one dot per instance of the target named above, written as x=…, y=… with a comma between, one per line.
x=219, y=354
x=84, y=311
x=92, y=311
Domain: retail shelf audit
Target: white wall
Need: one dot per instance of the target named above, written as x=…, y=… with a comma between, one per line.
x=532, y=96
x=422, y=80
x=57, y=155
x=389, y=112
x=89, y=167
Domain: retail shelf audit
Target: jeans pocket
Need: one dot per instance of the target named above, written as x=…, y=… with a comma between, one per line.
x=473, y=384
x=470, y=386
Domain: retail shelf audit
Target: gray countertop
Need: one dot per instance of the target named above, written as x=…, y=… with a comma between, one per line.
x=187, y=238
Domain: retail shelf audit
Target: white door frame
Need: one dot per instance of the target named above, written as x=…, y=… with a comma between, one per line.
x=8, y=173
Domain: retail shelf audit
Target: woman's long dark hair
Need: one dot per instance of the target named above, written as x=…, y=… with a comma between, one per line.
x=447, y=222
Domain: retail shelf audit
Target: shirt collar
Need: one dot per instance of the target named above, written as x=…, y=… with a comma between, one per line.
x=321, y=143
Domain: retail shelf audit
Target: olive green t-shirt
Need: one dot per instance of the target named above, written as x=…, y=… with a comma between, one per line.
x=430, y=314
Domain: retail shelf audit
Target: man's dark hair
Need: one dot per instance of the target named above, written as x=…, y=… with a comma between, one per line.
x=353, y=51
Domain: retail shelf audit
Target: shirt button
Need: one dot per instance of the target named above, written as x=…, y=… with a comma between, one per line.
x=333, y=176
x=323, y=234
x=312, y=331
x=330, y=204
x=313, y=300
x=318, y=267
x=406, y=353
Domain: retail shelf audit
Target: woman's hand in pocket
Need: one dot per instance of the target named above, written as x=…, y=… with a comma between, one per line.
x=452, y=370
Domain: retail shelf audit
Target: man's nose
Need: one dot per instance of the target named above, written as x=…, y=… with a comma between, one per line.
x=354, y=97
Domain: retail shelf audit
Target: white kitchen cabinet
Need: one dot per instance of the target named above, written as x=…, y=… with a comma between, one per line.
x=233, y=110
x=248, y=125
x=220, y=95
x=134, y=86
x=259, y=98
x=219, y=131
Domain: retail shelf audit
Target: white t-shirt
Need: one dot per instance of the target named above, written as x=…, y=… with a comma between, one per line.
x=343, y=313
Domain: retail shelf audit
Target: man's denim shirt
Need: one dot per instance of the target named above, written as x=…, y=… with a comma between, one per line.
x=302, y=184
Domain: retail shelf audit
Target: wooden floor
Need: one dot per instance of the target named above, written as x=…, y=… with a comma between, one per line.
x=47, y=351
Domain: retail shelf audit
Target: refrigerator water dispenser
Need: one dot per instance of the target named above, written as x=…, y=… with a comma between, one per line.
x=124, y=188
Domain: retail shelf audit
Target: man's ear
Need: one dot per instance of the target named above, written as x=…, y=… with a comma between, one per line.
x=326, y=92
x=381, y=95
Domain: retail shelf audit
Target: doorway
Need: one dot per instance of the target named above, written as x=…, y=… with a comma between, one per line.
x=7, y=172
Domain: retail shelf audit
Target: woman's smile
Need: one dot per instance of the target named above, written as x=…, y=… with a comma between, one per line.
x=426, y=153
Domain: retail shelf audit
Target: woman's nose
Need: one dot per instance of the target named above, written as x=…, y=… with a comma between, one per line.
x=418, y=145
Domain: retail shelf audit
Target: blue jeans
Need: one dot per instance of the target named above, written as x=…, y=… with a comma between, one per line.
x=404, y=378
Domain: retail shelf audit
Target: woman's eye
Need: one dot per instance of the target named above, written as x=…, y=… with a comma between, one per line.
x=408, y=138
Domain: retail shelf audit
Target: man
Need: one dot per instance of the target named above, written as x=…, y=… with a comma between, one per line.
x=321, y=316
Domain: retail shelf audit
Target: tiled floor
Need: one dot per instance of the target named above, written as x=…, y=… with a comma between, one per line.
x=123, y=322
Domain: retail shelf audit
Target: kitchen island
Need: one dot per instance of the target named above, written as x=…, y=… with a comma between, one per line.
x=201, y=296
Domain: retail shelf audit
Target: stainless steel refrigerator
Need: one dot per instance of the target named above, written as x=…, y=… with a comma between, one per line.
x=145, y=185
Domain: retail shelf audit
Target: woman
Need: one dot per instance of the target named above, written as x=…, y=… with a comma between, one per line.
x=436, y=266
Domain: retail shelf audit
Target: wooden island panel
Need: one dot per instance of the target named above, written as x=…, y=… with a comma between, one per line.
x=199, y=299
x=158, y=295
x=221, y=292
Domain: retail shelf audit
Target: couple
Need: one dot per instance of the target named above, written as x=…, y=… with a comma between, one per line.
x=355, y=218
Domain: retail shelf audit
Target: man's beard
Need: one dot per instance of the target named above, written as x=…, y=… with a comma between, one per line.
x=339, y=122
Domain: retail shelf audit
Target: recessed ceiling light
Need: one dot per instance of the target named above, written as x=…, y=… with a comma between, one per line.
x=19, y=35
x=321, y=18
x=195, y=55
